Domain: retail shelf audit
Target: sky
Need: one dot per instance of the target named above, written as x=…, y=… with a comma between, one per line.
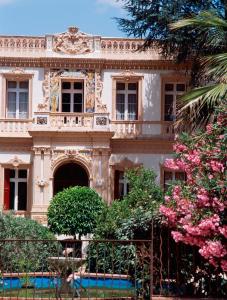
x=40, y=17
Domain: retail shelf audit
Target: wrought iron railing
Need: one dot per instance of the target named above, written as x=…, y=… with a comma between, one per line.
x=101, y=269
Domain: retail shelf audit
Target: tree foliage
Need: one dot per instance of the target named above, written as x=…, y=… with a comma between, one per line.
x=196, y=210
x=19, y=255
x=75, y=211
x=186, y=30
x=150, y=20
x=131, y=217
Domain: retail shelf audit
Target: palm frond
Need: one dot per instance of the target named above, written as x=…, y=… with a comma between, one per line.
x=196, y=107
x=203, y=20
x=216, y=66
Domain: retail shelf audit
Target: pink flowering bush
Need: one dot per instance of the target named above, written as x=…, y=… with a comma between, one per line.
x=196, y=209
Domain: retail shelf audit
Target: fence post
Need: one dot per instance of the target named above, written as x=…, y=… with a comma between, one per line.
x=151, y=259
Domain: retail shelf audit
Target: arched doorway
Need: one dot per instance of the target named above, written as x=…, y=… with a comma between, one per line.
x=68, y=175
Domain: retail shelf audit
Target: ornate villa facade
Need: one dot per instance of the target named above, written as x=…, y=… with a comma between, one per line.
x=78, y=109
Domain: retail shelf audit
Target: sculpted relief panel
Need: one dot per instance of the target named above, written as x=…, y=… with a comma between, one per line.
x=73, y=42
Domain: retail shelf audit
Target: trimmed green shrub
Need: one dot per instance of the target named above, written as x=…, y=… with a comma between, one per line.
x=75, y=211
x=22, y=245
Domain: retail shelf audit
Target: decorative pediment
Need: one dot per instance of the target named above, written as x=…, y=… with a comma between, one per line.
x=72, y=42
x=128, y=75
x=16, y=162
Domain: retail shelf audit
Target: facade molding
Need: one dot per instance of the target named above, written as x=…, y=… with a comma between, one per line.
x=91, y=63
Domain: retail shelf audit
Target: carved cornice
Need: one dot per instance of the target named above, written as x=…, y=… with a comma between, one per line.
x=81, y=63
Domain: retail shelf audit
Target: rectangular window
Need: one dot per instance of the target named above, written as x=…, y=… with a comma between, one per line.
x=171, y=92
x=127, y=101
x=72, y=96
x=17, y=99
x=15, y=196
x=121, y=185
x=171, y=176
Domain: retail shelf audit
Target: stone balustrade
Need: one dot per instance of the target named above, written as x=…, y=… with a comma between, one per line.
x=86, y=122
x=66, y=120
x=18, y=126
x=19, y=42
x=133, y=129
x=107, y=45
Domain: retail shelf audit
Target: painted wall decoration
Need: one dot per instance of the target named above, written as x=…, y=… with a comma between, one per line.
x=90, y=92
x=93, y=86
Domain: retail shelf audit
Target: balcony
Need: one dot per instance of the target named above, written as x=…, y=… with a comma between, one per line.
x=84, y=122
x=145, y=129
x=14, y=127
x=71, y=122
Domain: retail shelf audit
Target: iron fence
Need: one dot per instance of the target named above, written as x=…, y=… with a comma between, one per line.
x=103, y=269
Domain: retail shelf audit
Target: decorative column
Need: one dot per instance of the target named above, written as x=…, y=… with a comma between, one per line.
x=40, y=183
x=100, y=170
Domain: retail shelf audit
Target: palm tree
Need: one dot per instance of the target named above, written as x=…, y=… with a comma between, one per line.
x=196, y=107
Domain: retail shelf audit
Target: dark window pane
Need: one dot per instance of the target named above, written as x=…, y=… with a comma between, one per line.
x=23, y=84
x=168, y=99
x=120, y=107
x=132, y=107
x=180, y=87
x=78, y=98
x=12, y=84
x=168, y=178
x=169, y=108
x=120, y=86
x=169, y=87
x=132, y=86
x=65, y=107
x=22, y=195
x=12, y=173
x=12, y=195
x=65, y=98
x=78, y=108
x=78, y=85
x=180, y=176
x=66, y=85
x=22, y=173
x=78, y=103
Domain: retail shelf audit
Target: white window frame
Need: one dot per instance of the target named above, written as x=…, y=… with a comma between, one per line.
x=17, y=180
x=127, y=92
x=175, y=94
x=17, y=90
x=73, y=91
x=125, y=183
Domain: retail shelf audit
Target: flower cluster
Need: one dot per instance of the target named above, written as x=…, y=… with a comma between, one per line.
x=196, y=209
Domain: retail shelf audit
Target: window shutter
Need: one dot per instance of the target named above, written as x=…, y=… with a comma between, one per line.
x=7, y=190
x=116, y=184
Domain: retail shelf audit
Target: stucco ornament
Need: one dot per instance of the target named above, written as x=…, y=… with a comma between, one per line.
x=72, y=42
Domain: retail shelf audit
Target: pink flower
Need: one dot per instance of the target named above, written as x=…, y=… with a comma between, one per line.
x=178, y=148
x=171, y=164
x=177, y=236
x=224, y=265
x=216, y=166
x=169, y=213
x=223, y=230
x=209, y=128
x=213, y=249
